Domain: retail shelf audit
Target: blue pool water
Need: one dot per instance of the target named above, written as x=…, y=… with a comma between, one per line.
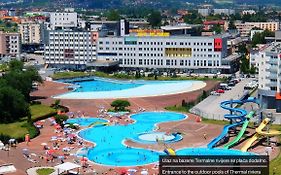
x=101, y=88
x=85, y=121
x=110, y=149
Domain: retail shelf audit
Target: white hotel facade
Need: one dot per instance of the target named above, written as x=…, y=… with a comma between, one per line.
x=69, y=49
x=197, y=53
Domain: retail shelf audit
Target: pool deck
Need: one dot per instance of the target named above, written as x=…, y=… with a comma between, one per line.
x=192, y=130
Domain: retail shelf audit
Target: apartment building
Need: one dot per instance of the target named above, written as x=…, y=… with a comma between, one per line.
x=224, y=11
x=62, y=20
x=9, y=44
x=205, y=12
x=269, y=77
x=70, y=49
x=268, y=59
x=245, y=28
x=189, y=53
x=31, y=32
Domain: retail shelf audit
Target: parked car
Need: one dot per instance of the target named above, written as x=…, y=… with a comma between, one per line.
x=220, y=91
x=215, y=93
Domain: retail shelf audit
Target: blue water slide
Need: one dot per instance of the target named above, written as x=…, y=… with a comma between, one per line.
x=237, y=117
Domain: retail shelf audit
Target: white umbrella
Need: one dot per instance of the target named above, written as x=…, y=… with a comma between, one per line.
x=66, y=125
x=44, y=144
x=144, y=172
x=75, y=124
x=132, y=170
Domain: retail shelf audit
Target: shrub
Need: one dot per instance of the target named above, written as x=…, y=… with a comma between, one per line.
x=61, y=118
x=120, y=105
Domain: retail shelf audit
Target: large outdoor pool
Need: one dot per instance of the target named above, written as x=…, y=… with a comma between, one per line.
x=110, y=148
x=101, y=88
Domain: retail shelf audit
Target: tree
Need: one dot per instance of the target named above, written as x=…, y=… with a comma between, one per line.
x=113, y=15
x=120, y=105
x=259, y=38
x=217, y=29
x=231, y=25
x=193, y=18
x=154, y=18
x=21, y=79
x=12, y=105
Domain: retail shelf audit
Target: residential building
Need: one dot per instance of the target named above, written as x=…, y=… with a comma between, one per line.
x=9, y=44
x=70, y=49
x=205, y=12
x=31, y=32
x=269, y=62
x=250, y=12
x=224, y=11
x=62, y=20
x=162, y=51
x=245, y=28
x=209, y=24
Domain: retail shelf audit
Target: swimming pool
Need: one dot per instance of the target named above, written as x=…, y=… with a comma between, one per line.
x=157, y=137
x=101, y=88
x=85, y=121
x=110, y=149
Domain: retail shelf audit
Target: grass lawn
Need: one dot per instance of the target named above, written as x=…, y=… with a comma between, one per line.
x=45, y=171
x=61, y=75
x=177, y=108
x=38, y=110
x=216, y=122
x=19, y=129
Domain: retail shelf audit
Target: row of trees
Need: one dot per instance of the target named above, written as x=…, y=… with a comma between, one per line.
x=15, y=88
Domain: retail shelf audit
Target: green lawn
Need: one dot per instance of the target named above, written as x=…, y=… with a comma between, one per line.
x=61, y=75
x=177, y=108
x=45, y=171
x=20, y=128
x=38, y=110
x=216, y=122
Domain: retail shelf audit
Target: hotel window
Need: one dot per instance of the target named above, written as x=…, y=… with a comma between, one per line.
x=168, y=62
x=140, y=61
x=181, y=62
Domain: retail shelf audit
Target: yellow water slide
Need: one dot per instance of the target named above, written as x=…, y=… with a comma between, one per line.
x=260, y=133
x=170, y=152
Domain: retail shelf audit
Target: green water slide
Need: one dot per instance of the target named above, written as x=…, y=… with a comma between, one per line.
x=242, y=131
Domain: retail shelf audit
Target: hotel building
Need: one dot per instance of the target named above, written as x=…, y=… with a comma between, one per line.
x=70, y=49
x=162, y=51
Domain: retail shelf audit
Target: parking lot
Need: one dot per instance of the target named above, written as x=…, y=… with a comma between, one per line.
x=210, y=107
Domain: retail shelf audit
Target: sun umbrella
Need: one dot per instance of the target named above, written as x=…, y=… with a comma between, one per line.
x=66, y=125
x=144, y=172
x=122, y=171
x=44, y=144
x=51, y=151
x=84, y=159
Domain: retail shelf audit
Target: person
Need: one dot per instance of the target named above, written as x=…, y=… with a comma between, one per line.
x=205, y=135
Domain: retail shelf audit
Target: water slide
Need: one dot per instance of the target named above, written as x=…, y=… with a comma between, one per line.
x=260, y=133
x=170, y=152
x=237, y=117
x=242, y=131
